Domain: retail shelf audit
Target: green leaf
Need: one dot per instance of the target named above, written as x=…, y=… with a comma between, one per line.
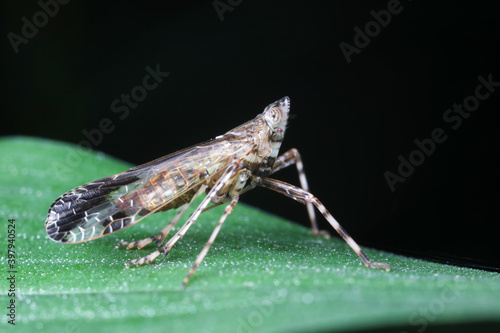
x=263, y=274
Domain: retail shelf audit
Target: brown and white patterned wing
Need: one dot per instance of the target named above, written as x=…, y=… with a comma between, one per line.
x=113, y=203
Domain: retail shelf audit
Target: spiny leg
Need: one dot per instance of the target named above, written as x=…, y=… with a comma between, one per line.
x=160, y=237
x=290, y=157
x=203, y=253
x=304, y=197
x=226, y=178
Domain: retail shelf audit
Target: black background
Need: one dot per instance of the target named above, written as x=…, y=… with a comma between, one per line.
x=352, y=120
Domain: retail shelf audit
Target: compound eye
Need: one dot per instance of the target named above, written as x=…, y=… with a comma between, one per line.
x=275, y=114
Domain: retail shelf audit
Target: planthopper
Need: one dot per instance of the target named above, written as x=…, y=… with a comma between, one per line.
x=223, y=168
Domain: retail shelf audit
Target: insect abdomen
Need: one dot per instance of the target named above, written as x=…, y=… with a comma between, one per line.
x=167, y=190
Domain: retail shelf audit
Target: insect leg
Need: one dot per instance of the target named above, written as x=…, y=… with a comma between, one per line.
x=203, y=253
x=290, y=157
x=304, y=197
x=160, y=237
x=226, y=178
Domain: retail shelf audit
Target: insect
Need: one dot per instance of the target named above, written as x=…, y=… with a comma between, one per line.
x=223, y=168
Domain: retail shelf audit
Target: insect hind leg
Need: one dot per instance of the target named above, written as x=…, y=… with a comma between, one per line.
x=160, y=237
x=203, y=253
x=305, y=197
x=225, y=179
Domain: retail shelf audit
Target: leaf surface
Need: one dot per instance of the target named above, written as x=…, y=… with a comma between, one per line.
x=263, y=274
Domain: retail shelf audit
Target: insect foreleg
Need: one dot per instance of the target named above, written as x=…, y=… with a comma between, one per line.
x=160, y=237
x=305, y=197
x=203, y=253
x=225, y=179
x=293, y=157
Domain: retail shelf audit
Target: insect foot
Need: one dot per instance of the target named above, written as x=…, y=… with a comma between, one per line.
x=144, y=260
x=382, y=265
x=139, y=244
x=323, y=233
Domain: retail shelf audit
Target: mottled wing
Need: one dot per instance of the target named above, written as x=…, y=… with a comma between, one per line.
x=113, y=203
